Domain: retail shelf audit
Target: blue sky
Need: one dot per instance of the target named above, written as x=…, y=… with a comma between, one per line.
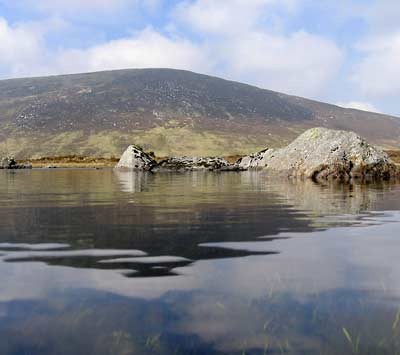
x=345, y=51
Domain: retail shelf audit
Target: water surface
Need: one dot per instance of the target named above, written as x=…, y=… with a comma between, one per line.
x=106, y=262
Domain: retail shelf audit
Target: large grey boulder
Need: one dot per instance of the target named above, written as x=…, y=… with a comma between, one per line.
x=321, y=154
x=134, y=158
x=195, y=163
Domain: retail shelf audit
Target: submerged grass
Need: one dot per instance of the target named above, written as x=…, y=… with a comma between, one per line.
x=354, y=344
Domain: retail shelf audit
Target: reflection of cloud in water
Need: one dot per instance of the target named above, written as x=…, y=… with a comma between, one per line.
x=132, y=181
x=42, y=254
x=321, y=282
x=308, y=263
x=27, y=246
x=199, y=321
x=337, y=258
x=285, y=324
x=36, y=280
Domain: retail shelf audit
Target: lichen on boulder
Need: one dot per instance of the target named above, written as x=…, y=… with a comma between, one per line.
x=322, y=154
x=134, y=158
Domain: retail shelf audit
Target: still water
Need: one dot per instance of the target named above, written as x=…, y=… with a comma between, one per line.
x=106, y=262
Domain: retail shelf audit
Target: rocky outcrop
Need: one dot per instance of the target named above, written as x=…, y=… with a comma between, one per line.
x=10, y=163
x=319, y=154
x=322, y=154
x=256, y=161
x=195, y=163
x=134, y=158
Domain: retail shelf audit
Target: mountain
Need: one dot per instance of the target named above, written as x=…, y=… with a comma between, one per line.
x=168, y=111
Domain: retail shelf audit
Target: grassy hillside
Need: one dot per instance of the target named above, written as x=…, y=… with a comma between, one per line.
x=170, y=112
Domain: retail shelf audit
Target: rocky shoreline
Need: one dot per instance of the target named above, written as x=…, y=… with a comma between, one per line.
x=134, y=158
x=196, y=163
x=11, y=164
x=317, y=154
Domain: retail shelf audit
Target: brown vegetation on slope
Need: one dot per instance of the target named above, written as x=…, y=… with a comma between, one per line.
x=171, y=112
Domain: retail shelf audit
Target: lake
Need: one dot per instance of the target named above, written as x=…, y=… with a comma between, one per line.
x=107, y=262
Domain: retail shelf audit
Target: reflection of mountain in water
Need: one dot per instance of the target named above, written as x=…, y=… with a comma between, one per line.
x=169, y=217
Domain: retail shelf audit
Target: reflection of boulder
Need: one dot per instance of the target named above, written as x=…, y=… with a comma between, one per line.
x=132, y=181
x=325, y=200
x=322, y=154
x=320, y=199
x=134, y=158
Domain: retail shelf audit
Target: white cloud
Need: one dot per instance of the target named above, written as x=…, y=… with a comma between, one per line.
x=300, y=63
x=249, y=44
x=20, y=48
x=24, y=53
x=228, y=16
x=358, y=105
x=382, y=15
x=378, y=74
x=147, y=48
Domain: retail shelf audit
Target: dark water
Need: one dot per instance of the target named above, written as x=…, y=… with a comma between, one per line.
x=104, y=262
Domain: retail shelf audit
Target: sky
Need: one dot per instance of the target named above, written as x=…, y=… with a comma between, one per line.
x=345, y=52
